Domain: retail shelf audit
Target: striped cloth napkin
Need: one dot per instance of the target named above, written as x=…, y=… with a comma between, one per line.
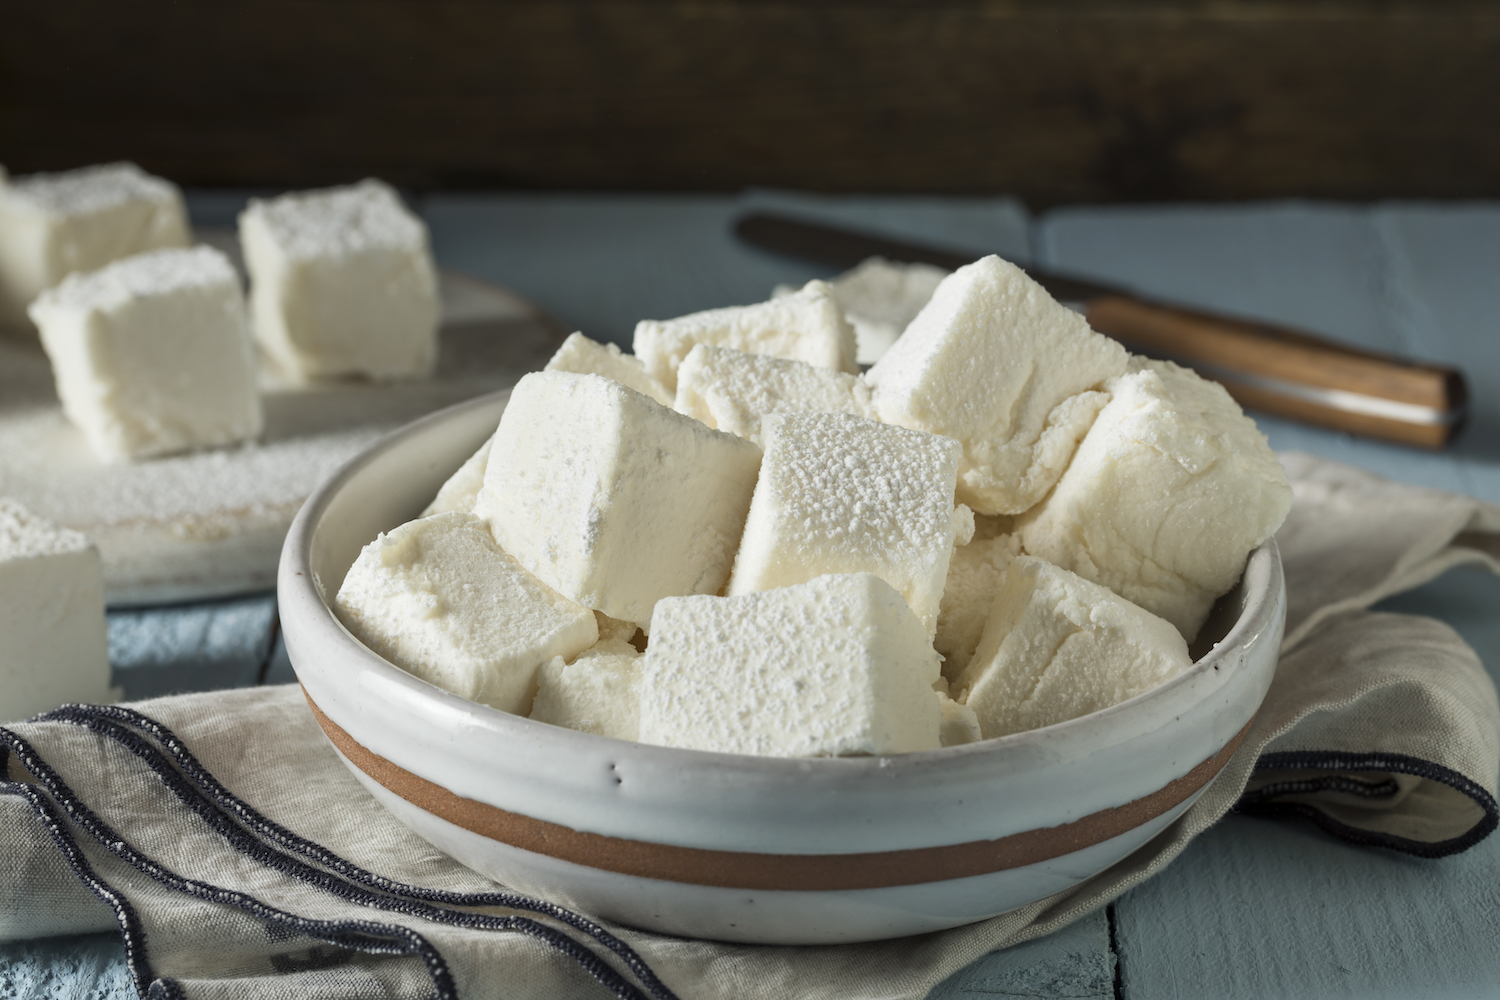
x=222, y=836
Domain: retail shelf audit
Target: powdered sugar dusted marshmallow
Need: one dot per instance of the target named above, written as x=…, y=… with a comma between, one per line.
x=51, y=617
x=1057, y=647
x=1167, y=495
x=589, y=357
x=974, y=576
x=461, y=490
x=151, y=354
x=341, y=283
x=880, y=298
x=837, y=665
x=610, y=497
x=995, y=363
x=843, y=494
x=734, y=391
x=438, y=598
x=600, y=692
x=959, y=723
x=806, y=326
x=54, y=225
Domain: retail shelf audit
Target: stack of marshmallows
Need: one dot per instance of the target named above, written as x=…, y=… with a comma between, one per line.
x=151, y=343
x=732, y=541
x=153, y=352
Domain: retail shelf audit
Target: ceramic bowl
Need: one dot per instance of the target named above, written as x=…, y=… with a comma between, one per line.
x=737, y=848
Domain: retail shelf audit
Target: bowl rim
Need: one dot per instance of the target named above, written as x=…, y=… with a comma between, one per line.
x=298, y=581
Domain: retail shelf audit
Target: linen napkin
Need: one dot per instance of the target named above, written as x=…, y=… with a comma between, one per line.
x=223, y=837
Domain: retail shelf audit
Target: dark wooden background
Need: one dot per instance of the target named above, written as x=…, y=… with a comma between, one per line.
x=1055, y=101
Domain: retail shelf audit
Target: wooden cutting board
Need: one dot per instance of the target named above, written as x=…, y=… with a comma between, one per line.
x=211, y=523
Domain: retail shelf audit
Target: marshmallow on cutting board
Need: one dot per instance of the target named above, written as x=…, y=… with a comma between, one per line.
x=54, y=225
x=53, y=647
x=341, y=283
x=151, y=354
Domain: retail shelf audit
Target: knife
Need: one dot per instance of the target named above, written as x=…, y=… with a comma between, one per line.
x=1265, y=367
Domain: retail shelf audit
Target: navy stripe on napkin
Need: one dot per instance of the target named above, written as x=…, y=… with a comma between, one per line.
x=1264, y=801
x=247, y=831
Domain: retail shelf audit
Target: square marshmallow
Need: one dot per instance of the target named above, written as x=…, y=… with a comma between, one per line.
x=880, y=298
x=1057, y=647
x=1167, y=495
x=806, y=326
x=53, y=225
x=461, y=490
x=974, y=576
x=611, y=498
x=151, y=354
x=843, y=494
x=734, y=391
x=341, y=283
x=837, y=665
x=51, y=617
x=438, y=598
x=995, y=363
x=600, y=692
x=583, y=356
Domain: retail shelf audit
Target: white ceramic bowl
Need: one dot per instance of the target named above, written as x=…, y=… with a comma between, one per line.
x=769, y=850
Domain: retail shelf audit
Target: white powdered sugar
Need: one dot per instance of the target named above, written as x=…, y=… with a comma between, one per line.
x=87, y=189
x=339, y=221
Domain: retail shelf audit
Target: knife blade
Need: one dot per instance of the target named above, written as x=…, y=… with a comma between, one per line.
x=1264, y=366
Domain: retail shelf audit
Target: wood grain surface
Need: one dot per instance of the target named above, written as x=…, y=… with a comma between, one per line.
x=1053, y=100
x=1254, y=909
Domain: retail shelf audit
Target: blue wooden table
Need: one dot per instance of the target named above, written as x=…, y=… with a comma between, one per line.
x=1253, y=909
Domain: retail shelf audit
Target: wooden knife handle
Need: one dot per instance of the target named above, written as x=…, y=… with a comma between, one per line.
x=1294, y=374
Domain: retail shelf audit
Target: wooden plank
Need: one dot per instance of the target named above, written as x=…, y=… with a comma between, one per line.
x=1074, y=963
x=1324, y=268
x=191, y=647
x=599, y=263
x=1442, y=262
x=91, y=966
x=1085, y=100
x=1257, y=909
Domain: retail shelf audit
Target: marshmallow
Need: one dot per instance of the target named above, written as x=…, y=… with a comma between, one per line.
x=583, y=356
x=837, y=665
x=461, y=490
x=600, y=692
x=974, y=576
x=1167, y=495
x=612, y=629
x=995, y=363
x=806, y=326
x=341, y=283
x=1057, y=647
x=151, y=354
x=51, y=617
x=880, y=298
x=611, y=498
x=843, y=494
x=734, y=391
x=438, y=598
x=958, y=725
x=53, y=225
